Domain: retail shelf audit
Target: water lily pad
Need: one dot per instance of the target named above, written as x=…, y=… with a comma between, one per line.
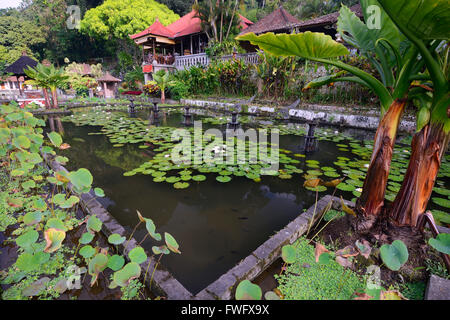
x=442, y=202
x=248, y=291
x=224, y=179
x=288, y=254
x=181, y=185
x=81, y=179
x=199, y=178
x=99, y=192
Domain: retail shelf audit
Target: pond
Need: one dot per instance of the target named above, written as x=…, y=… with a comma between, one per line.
x=221, y=220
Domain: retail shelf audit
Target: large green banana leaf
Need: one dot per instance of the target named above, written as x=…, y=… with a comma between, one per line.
x=307, y=45
x=425, y=19
x=316, y=47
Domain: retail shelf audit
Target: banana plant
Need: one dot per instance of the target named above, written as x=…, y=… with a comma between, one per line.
x=425, y=24
x=385, y=48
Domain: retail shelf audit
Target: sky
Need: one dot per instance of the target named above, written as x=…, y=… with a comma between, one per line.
x=9, y=3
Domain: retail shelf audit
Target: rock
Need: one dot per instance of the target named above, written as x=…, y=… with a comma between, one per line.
x=438, y=289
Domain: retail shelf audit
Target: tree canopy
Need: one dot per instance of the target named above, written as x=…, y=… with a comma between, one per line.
x=18, y=35
x=120, y=18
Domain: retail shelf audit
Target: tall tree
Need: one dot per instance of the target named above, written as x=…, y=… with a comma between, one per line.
x=121, y=18
x=220, y=19
x=18, y=35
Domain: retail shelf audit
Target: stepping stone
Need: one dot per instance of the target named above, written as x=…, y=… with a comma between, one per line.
x=438, y=289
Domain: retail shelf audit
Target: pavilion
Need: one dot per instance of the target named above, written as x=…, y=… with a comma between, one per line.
x=16, y=69
x=183, y=37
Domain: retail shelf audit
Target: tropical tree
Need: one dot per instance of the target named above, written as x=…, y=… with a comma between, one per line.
x=219, y=18
x=395, y=55
x=47, y=77
x=162, y=80
x=121, y=18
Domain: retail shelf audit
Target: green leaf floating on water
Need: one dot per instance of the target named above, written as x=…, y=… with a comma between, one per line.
x=441, y=243
x=199, y=178
x=99, y=192
x=394, y=255
x=181, y=185
x=224, y=179
x=288, y=254
x=442, y=202
x=248, y=291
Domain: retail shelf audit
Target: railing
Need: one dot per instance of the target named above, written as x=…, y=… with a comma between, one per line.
x=185, y=62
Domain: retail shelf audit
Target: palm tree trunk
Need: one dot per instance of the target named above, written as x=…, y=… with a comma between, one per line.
x=163, y=96
x=371, y=200
x=47, y=100
x=55, y=98
x=428, y=148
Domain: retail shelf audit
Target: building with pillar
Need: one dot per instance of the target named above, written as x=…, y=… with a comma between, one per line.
x=161, y=45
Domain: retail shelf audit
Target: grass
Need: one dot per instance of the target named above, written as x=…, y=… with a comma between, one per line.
x=307, y=280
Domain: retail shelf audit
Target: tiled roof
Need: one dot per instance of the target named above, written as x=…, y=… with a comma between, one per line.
x=277, y=20
x=187, y=24
x=327, y=19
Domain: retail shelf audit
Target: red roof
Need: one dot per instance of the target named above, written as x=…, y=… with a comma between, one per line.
x=187, y=24
x=156, y=29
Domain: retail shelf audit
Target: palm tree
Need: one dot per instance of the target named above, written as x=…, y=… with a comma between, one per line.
x=163, y=81
x=47, y=77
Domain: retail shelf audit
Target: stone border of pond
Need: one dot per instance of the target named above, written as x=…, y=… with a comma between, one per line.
x=165, y=284
x=327, y=115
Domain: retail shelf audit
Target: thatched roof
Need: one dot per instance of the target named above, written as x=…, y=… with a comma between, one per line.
x=17, y=67
x=108, y=78
x=278, y=20
x=329, y=19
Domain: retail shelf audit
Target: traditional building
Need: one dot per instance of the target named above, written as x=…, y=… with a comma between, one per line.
x=108, y=85
x=280, y=21
x=162, y=44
